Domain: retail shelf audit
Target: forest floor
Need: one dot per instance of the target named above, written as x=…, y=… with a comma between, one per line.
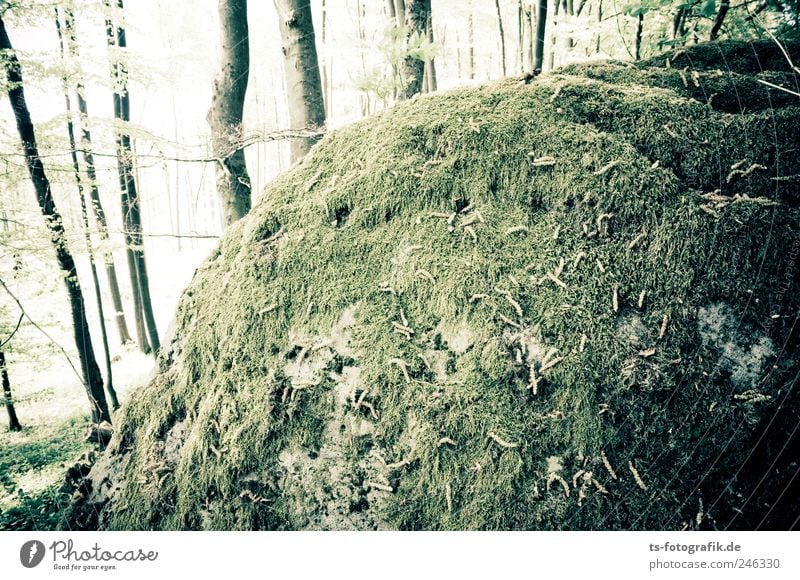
x=49, y=397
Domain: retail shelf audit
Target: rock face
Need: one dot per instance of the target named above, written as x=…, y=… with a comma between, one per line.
x=567, y=304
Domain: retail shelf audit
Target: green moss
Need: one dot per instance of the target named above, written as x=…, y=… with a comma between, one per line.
x=220, y=439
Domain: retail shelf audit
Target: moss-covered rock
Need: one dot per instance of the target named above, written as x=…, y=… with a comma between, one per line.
x=562, y=305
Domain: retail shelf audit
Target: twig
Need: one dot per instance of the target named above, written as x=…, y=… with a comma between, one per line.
x=780, y=88
x=13, y=332
x=40, y=329
x=500, y=441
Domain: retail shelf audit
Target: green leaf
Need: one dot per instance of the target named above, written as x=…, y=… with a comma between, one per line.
x=709, y=8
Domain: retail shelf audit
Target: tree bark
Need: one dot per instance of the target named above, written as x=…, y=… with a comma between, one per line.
x=677, y=23
x=541, y=27
x=227, y=107
x=94, y=193
x=109, y=382
x=13, y=421
x=430, y=63
x=502, y=36
x=599, y=22
x=568, y=40
x=637, y=54
x=520, y=37
x=326, y=93
x=92, y=379
x=724, y=6
x=301, y=69
x=551, y=57
x=471, y=42
x=414, y=15
x=131, y=207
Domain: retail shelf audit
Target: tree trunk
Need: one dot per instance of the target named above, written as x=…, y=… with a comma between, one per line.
x=531, y=44
x=677, y=23
x=13, y=421
x=430, y=63
x=131, y=212
x=554, y=35
x=301, y=69
x=400, y=11
x=724, y=6
x=568, y=40
x=92, y=379
x=227, y=106
x=520, y=37
x=324, y=65
x=471, y=42
x=109, y=382
x=637, y=45
x=541, y=27
x=91, y=172
x=414, y=16
x=502, y=36
x=599, y=23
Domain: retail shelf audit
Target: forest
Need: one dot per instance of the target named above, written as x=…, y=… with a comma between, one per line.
x=400, y=264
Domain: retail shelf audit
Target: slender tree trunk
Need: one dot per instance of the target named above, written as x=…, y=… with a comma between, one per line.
x=637, y=44
x=520, y=37
x=324, y=66
x=471, y=41
x=13, y=421
x=554, y=34
x=301, y=70
x=459, y=68
x=724, y=6
x=92, y=379
x=362, y=36
x=131, y=211
x=430, y=63
x=502, y=36
x=599, y=23
x=400, y=11
x=568, y=40
x=109, y=382
x=541, y=27
x=677, y=23
x=531, y=44
x=227, y=106
x=91, y=172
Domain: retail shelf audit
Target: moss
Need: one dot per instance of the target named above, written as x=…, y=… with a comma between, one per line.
x=354, y=357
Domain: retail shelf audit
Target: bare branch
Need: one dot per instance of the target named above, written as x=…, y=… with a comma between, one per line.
x=40, y=329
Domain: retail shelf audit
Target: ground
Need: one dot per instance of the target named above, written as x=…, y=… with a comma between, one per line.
x=558, y=305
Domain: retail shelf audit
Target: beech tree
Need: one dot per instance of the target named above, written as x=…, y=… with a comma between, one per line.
x=502, y=36
x=109, y=382
x=131, y=206
x=91, y=173
x=541, y=26
x=92, y=379
x=225, y=114
x=13, y=421
x=724, y=6
x=301, y=69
